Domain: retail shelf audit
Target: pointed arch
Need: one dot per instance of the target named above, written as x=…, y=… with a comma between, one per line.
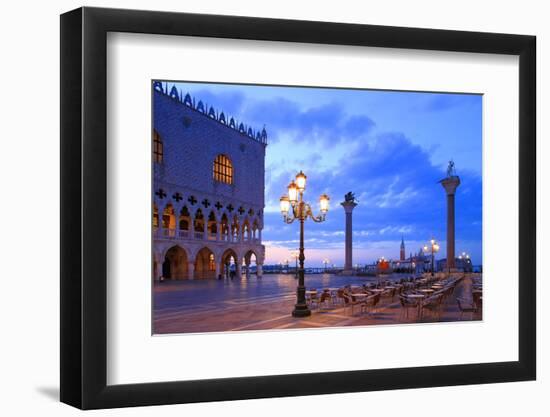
x=198, y=224
x=228, y=263
x=205, y=264
x=175, y=264
x=251, y=262
x=212, y=226
x=246, y=229
x=224, y=228
x=184, y=222
x=235, y=229
x=155, y=216
x=169, y=220
x=255, y=229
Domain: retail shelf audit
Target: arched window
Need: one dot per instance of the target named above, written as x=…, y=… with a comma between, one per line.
x=223, y=169
x=158, y=150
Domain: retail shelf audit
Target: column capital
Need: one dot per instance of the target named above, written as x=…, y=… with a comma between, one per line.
x=450, y=184
x=348, y=206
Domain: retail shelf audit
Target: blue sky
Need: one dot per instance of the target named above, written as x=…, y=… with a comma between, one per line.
x=389, y=148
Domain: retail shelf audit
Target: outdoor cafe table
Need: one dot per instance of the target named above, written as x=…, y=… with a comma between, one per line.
x=427, y=291
x=360, y=294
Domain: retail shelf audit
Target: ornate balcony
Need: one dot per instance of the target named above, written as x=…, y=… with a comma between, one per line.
x=177, y=234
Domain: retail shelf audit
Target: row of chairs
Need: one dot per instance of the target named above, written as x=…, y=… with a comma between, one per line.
x=366, y=304
x=431, y=304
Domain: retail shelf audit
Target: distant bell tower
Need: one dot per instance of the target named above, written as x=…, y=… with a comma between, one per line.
x=402, y=251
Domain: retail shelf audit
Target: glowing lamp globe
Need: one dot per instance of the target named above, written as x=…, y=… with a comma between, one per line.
x=323, y=202
x=285, y=204
x=292, y=192
x=301, y=181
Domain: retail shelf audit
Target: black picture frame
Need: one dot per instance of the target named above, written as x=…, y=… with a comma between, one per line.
x=84, y=207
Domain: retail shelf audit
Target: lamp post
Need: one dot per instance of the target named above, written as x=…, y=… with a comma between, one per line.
x=465, y=258
x=301, y=211
x=326, y=262
x=295, y=256
x=433, y=248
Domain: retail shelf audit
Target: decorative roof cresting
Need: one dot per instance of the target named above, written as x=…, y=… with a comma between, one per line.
x=209, y=111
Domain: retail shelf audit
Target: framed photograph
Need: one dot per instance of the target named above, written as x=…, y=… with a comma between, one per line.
x=257, y=208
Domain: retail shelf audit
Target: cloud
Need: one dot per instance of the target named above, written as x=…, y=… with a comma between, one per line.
x=325, y=125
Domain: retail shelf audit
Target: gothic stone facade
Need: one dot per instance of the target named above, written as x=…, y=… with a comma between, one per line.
x=208, y=190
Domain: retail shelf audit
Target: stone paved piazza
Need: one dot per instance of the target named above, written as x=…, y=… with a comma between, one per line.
x=262, y=304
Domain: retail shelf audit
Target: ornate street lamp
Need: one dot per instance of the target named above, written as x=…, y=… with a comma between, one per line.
x=465, y=258
x=432, y=248
x=300, y=210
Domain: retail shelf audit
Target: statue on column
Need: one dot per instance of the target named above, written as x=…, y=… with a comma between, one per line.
x=451, y=172
x=350, y=198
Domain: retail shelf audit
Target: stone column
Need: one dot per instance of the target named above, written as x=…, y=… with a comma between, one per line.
x=259, y=270
x=158, y=271
x=159, y=228
x=450, y=185
x=217, y=270
x=191, y=270
x=205, y=229
x=247, y=270
x=239, y=269
x=348, y=208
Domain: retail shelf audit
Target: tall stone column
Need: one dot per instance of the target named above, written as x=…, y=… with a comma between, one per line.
x=450, y=185
x=348, y=208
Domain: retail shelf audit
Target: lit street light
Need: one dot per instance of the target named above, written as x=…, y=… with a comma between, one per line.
x=433, y=248
x=326, y=262
x=301, y=211
x=466, y=259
